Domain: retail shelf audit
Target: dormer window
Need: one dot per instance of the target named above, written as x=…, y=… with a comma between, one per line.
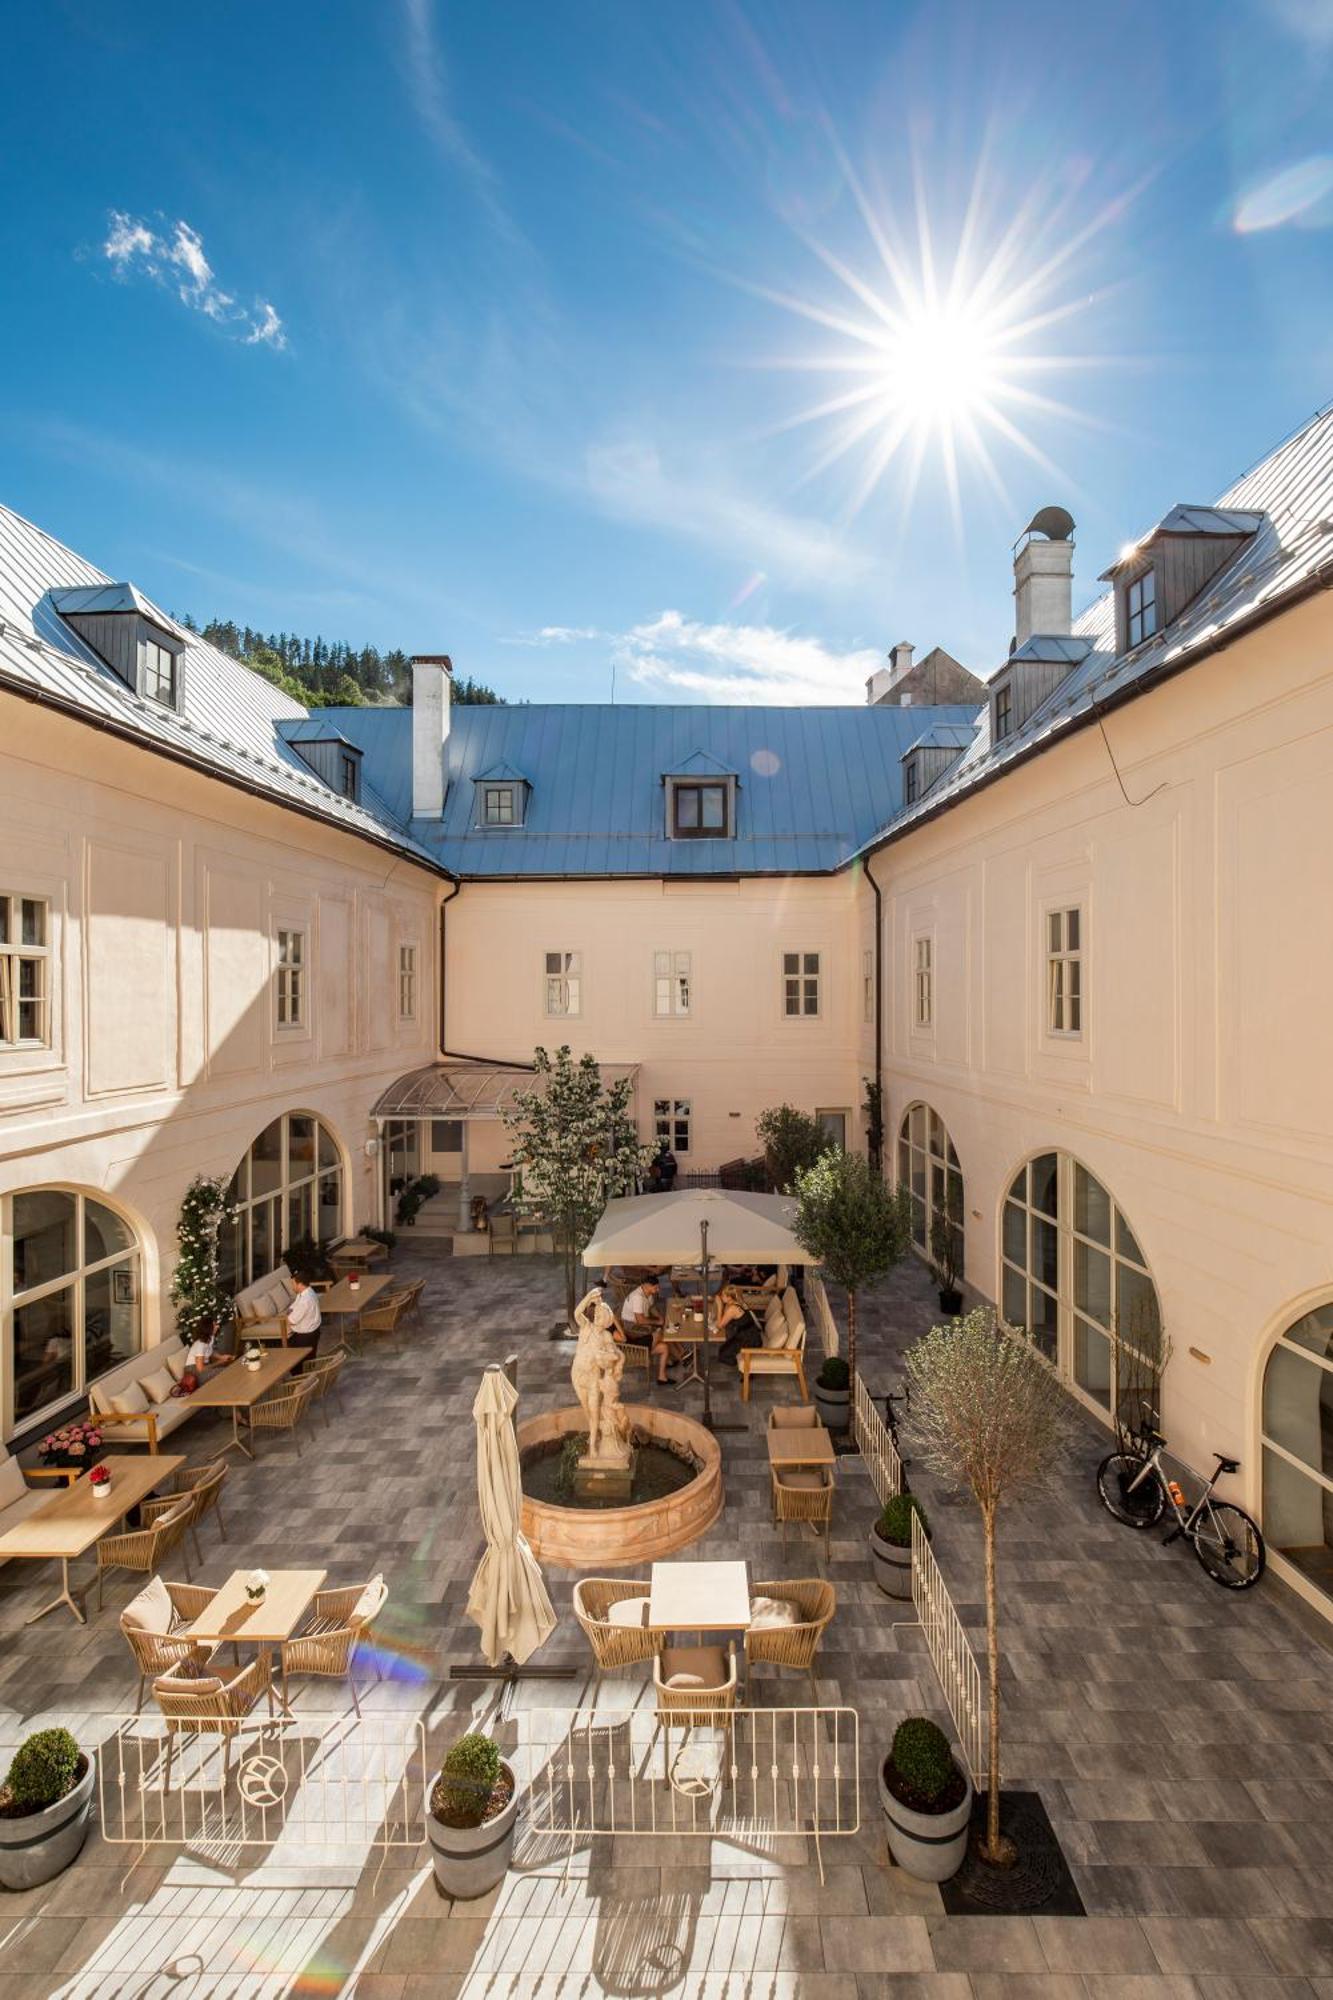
x=911, y=782
x=1004, y=712
x=157, y=673
x=130, y=635
x=699, y=811
x=1140, y=608
x=497, y=805
x=501, y=799
x=349, y=774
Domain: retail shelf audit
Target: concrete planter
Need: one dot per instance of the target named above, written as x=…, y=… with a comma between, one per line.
x=37, y=1847
x=470, y=1860
x=892, y=1567
x=929, y=1846
x=834, y=1406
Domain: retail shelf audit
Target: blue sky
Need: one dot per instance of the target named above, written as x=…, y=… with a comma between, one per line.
x=491, y=329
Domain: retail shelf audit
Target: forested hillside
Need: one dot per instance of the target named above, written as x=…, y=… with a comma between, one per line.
x=322, y=673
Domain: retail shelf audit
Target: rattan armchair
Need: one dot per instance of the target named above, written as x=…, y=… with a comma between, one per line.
x=412, y=1309
x=327, y=1645
x=793, y=1417
x=203, y=1484
x=142, y=1549
x=814, y=1601
x=616, y=1643
x=284, y=1411
x=694, y=1687
x=385, y=1316
x=325, y=1371
x=801, y=1495
x=211, y=1703
x=155, y=1627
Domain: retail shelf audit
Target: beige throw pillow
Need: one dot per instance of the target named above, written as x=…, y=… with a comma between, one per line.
x=159, y=1385
x=176, y=1364
x=129, y=1402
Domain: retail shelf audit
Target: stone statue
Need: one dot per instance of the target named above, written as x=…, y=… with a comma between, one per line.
x=598, y=1366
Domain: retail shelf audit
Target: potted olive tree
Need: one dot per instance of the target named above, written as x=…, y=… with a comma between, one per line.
x=852, y=1224
x=891, y=1544
x=946, y=1251
x=927, y=1801
x=473, y=1811
x=833, y=1393
x=45, y=1803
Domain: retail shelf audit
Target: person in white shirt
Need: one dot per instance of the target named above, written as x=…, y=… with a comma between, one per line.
x=643, y=1324
x=304, y=1318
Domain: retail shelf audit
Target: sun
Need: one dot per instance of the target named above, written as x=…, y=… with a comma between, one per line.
x=940, y=366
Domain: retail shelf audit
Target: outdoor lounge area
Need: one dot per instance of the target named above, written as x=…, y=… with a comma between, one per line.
x=1195, y=1840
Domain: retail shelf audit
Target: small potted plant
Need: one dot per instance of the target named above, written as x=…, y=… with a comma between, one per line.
x=75, y=1445
x=45, y=1803
x=833, y=1393
x=256, y=1583
x=891, y=1544
x=409, y=1202
x=254, y=1355
x=387, y=1237
x=946, y=1242
x=473, y=1812
x=100, y=1481
x=927, y=1801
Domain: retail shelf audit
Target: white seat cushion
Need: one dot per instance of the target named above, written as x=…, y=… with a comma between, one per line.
x=371, y=1601
x=768, y=1612
x=631, y=1611
x=159, y=1385
x=129, y=1401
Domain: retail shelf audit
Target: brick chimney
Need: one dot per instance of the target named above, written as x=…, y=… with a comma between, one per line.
x=431, y=676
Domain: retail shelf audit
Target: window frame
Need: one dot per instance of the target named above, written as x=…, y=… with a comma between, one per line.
x=242, y=1197
x=15, y=954
x=932, y=1175
x=923, y=982
x=695, y=788
x=1064, y=956
x=1003, y=710
x=802, y=979
x=493, y=792
x=290, y=988
x=1141, y=608
x=349, y=772
x=1270, y=1446
x=151, y=654
x=568, y=976
x=73, y=1280
x=671, y=977
x=671, y=1116
x=911, y=781
x=407, y=979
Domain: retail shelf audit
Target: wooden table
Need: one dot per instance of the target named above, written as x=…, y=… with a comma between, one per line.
x=340, y=1298
x=238, y=1388
x=360, y=1250
x=685, y=1328
x=800, y=1444
x=70, y=1524
x=699, y=1597
x=233, y=1618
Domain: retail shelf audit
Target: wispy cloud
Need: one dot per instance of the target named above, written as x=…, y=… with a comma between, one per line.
x=727, y=662
x=428, y=84
x=556, y=635
x=172, y=255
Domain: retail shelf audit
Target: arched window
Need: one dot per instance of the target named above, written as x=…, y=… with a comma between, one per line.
x=69, y=1297
x=288, y=1189
x=1074, y=1276
x=928, y=1168
x=1298, y=1446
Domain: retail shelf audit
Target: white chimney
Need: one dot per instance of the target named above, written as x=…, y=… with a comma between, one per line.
x=1044, y=576
x=878, y=686
x=431, y=674
x=901, y=657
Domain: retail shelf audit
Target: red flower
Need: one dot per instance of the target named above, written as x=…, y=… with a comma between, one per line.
x=99, y=1476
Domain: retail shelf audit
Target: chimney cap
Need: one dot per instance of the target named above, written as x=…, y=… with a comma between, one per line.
x=1055, y=523
x=433, y=660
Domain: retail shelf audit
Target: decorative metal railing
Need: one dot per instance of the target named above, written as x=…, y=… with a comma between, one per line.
x=878, y=1455
x=950, y=1651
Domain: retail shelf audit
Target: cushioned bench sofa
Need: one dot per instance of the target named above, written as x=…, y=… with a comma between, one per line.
x=134, y=1403
x=261, y=1309
x=17, y=1498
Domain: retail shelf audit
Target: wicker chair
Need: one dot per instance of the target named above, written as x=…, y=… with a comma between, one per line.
x=327, y=1645
x=155, y=1622
x=325, y=1372
x=634, y=1355
x=801, y=1495
x=793, y=1417
x=814, y=1601
x=385, y=1316
x=142, y=1549
x=211, y=1703
x=616, y=1643
x=284, y=1411
x=703, y=1695
x=412, y=1309
x=204, y=1485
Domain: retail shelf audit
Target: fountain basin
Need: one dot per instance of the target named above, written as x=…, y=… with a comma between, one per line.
x=615, y=1537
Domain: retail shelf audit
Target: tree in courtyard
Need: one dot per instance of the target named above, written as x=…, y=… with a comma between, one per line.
x=989, y=1417
x=575, y=1147
x=197, y=1291
x=791, y=1139
x=856, y=1226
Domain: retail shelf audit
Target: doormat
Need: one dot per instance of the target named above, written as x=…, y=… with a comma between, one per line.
x=1039, y=1879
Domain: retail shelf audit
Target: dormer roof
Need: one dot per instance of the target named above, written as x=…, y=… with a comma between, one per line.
x=100, y=600
x=701, y=764
x=1184, y=519
x=1050, y=649
x=502, y=773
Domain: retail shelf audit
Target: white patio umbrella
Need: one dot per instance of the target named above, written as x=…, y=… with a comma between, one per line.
x=508, y=1598
x=664, y=1229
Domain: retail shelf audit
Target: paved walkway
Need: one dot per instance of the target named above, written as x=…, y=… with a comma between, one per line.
x=1182, y=1741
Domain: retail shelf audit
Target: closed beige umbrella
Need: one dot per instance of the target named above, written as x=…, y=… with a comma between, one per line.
x=508, y=1597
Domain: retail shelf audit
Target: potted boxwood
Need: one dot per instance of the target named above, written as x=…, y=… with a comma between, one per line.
x=945, y=1247
x=927, y=1801
x=473, y=1811
x=891, y=1544
x=833, y=1393
x=45, y=1803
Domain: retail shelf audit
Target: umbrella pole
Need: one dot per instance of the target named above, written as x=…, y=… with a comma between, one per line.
x=708, y=1378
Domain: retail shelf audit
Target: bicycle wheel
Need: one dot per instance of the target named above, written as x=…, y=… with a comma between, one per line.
x=1140, y=1509
x=1229, y=1546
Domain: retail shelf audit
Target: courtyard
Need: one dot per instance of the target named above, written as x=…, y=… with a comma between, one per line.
x=1181, y=1739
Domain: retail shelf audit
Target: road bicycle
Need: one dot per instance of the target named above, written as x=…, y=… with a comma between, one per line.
x=1134, y=1488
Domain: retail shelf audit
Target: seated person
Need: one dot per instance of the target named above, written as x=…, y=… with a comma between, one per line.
x=643, y=1324
x=728, y=1311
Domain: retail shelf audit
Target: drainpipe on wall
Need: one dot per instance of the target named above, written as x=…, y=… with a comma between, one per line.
x=879, y=1007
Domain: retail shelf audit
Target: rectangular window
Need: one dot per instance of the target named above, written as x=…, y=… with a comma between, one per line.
x=349, y=777
x=1141, y=608
x=158, y=677
x=699, y=812
x=1004, y=709
x=867, y=986
x=833, y=1125
x=1064, y=972
x=671, y=1121
x=671, y=984
x=499, y=805
x=800, y=983
x=291, y=979
x=911, y=783
x=25, y=988
x=407, y=982
x=446, y=1135
x=564, y=982
x=923, y=981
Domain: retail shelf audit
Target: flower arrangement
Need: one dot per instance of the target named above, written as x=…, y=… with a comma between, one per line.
x=254, y=1355
x=100, y=1481
x=73, y=1444
x=256, y=1583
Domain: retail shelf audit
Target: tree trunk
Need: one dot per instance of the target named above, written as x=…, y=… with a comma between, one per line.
x=993, y=1849
x=851, y=1341
x=571, y=1271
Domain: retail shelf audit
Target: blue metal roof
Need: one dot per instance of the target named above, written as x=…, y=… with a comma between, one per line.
x=812, y=783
